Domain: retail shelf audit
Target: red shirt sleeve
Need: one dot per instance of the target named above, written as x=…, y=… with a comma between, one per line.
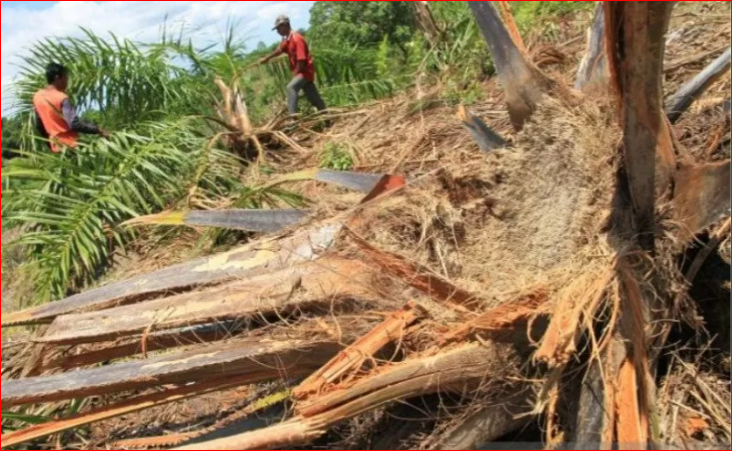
x=301, y=49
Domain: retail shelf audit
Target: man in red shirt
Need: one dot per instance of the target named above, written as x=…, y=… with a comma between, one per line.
x=301, y=64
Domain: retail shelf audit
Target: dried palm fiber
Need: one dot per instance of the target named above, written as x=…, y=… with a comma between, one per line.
x=498, y=223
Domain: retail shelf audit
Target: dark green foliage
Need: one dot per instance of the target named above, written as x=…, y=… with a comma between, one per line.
x=12, y=131
x=364, y=24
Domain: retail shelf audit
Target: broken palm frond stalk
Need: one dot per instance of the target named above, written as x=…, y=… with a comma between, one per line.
x=133, y=405
x=323, y=282
x=692, y=90
x=416, y=276
x=357, y=181
x=702, y=197
x=694, y=59
x=715, y=239
x=486, y=138
x=501, y=318
x=457, y=369
x=523, y=83
x=178, y=439
x=511, y=26
x=592, y=71
x=260, y=362
x=349, y=361
x=262, y=221
x=154, y=341
x=253, y=259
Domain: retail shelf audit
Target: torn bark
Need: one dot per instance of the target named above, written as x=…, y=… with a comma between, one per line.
x=130, y=406
x=524, y=84
x=250, y=260
x=692, y=90
x=352, y=359
x=259, y=361
x=324, y=281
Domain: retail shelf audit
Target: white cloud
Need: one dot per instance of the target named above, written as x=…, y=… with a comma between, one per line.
x=206, y=21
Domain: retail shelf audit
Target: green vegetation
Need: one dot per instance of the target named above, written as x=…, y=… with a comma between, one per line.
x=155, y=96
x=336, y=156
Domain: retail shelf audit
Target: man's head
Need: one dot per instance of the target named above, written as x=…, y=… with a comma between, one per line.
x=282, y=25
x=58, y=76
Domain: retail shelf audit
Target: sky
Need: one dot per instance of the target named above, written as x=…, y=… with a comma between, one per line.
x=25, y=22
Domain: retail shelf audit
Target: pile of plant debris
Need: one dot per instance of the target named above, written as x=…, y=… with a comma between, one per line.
x=560, y=269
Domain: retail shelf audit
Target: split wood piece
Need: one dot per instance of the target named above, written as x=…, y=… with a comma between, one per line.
x=250, y=260
x=635, y=35
x=133, y=405
x=632, y=425
x=593, y=70
x=486, y=138
x=79, y=357
x=457, y=370
x=500, y=318
x=260, y=362
x=695, y=88
x=523, y=82
x=280, y=292
x=417, y=277
x=178, y=439
x=259, y=221
x=347, y=363
x=702, y=197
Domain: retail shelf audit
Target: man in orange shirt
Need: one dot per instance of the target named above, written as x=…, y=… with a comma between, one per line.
x=301, y=64
x=55, y=115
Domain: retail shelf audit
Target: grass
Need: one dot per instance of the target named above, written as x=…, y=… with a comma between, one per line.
x=336, y=156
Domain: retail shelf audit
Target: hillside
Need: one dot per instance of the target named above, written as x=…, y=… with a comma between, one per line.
x=547, y=261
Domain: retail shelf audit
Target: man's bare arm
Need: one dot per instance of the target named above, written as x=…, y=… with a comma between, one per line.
x=271, y=56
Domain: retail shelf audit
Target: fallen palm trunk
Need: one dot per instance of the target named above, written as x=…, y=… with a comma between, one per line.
x=351, y=359
x=250, y=260
x=454, y=370
x=125, y=408
x=324, y=282
x=692, y=90
x=259, y=361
